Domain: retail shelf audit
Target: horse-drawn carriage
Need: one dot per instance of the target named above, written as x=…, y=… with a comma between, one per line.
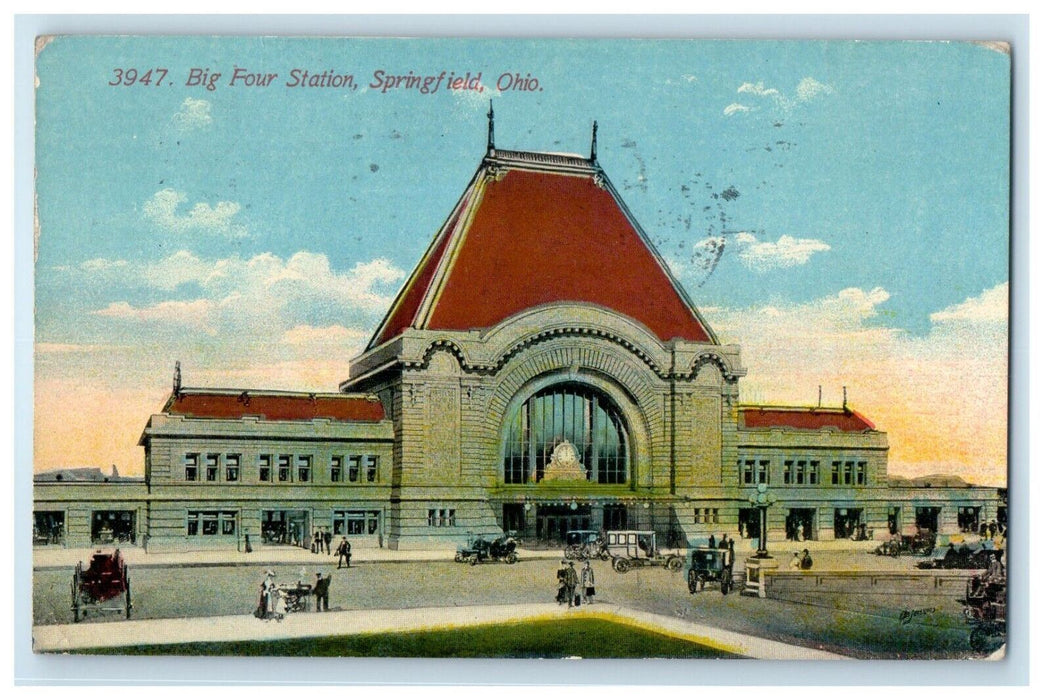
x=634, y=549
x=586, y=544
x=104, y=586
x=479, y=549
x=985, y=607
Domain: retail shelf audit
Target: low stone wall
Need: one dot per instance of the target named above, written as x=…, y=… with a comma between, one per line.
x=798, y=585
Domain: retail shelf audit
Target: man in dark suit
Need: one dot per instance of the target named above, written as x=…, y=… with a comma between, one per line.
x=321, y=592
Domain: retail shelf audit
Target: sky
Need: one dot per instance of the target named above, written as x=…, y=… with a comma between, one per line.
x=839, y=209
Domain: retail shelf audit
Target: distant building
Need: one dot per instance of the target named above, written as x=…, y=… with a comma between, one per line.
x=540, y=371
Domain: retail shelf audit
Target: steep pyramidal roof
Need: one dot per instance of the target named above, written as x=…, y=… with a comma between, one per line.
x=534, y=229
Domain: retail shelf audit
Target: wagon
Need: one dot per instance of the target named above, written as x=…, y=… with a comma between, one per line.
x=921, y=544
x=104, y=586
x=634, y=549
x=985, y=608
x=585, y=544
x=479, y=549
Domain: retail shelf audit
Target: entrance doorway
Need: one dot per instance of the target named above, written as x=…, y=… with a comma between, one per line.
x=799, y=524
x=356, y=523
x=553, y=522
x=49, y=527
x=514, y=517
x=748, y=525
x=893, y=520
x=614, y=517
x=847, y=524
x=927, y=518
x=968, y=518
x=285, y=527
x=109, y=526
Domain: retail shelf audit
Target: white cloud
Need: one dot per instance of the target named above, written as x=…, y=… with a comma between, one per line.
x=941, y=396
x=102, y=265
x=195, y=314
x=757, y=89
x=809, y=88
x=787, y=251
x=991, y=306
x=736, y=107
x=192, y=114
x=162, y=208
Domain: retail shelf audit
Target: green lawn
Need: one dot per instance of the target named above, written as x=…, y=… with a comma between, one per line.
x=541, y=639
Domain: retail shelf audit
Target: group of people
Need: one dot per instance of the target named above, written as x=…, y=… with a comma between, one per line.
x=569, y=581
x=276, y=601
x=322, y=543
x=990, y=530
x=806, y=562
x=724, y=543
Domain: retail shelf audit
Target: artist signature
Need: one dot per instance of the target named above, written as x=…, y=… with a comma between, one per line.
x=908, y=616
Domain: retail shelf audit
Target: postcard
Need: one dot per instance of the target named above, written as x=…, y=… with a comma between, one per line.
x=521, y=348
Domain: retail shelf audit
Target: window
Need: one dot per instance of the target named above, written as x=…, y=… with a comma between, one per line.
x=303, y=463
x=371, y=468
x=353, y=468
x=336, y=468
x=265, y=462
x=748, y=474
x=233, y=467
x=209, y=523
x=795, y=471
x=848, y=473
x=284, y=468
x=836, y=468
x=355, y=522
x=211, y=467
x=441, y=517
x=192, y=462
x=705, y=515
x=788, y=471
x=764, y=472
x=812, y=470
x=861, y=473
x=566, y=413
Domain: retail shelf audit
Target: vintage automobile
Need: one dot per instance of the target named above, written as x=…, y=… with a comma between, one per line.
x=586, y=544
x=921, y=544
x=634, y=549
x=104, y=586
x=479, y=549
x=959, y=557
x=985, y=608
x=710, y=565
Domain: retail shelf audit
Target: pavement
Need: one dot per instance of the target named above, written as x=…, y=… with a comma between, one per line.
x=232, y=628
x=45, y=558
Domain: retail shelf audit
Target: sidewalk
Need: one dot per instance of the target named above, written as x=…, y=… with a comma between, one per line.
x=232, y=628
x=45, y=558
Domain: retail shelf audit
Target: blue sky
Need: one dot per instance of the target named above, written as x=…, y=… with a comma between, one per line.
x=855, y=187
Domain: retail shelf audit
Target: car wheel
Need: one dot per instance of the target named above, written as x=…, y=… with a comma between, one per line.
x=620, y=565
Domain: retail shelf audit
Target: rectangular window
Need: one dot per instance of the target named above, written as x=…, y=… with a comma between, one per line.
x=789, y=465
x=303, y=463
x=336, y=468
x=284, y=468
x=436, y=517
x=812, y=471
x=353, y=468
x=233, y=467
x=192, y=462
x=211, y=522
x=371, y=468
x=265, y=462
x=748, y=474
x=836, y=467
x=800, y=468
x=432, y=517
x=861, y=473
x=848, y=473
x=696, y=516
x=211, y=467
x=764, y=472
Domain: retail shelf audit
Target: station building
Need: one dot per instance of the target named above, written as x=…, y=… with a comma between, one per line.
x=540, y=371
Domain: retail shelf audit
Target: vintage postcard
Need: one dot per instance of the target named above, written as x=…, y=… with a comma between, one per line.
x=521, y=348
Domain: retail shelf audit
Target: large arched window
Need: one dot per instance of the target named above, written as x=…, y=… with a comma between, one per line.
x=572, y=413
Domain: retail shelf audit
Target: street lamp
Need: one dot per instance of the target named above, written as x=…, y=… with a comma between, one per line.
x=761, y=500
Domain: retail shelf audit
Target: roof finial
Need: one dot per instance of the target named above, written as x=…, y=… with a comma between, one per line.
x=844, y=398
x=594, y=141
x=492, y=141
x=177, y=379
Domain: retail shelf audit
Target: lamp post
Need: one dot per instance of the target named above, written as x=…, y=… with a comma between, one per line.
x=761, y=500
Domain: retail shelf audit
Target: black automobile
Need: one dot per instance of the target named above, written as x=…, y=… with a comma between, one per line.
x=710, y=566
x=480, y=549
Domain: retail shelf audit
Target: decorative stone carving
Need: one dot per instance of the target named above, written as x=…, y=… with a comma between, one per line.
x=564, y=465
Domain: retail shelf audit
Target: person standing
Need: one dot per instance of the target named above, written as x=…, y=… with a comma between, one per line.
x=806, y=563
x=711, y=541
x=587, y=581
x=795, y=563
x=724, y=543
x=327, y=537
x=321, y=592
x=560, y=595
x=571, y=585
x=343, y=552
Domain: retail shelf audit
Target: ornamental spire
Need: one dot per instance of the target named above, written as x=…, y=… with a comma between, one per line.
x=492, y=143
x=594, y=141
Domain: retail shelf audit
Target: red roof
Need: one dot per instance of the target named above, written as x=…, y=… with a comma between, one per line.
x=805, y=419
x=275, y=406
x=542, y=231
